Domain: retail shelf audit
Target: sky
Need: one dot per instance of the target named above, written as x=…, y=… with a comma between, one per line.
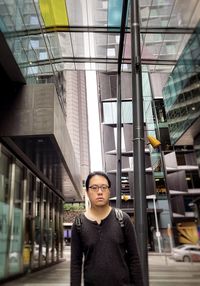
x=93, y=122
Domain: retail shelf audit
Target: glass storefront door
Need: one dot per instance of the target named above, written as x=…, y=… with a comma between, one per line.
x=16, y=239
x=30, y=219
x=4, y=212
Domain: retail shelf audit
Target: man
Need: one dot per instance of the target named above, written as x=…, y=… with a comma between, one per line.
x=110, y=252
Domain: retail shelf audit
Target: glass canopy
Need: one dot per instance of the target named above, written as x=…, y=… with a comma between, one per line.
x=47, y=36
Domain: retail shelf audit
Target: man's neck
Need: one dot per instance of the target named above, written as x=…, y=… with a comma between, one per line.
x=98, y=213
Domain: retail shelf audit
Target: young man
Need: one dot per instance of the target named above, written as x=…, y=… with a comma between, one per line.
x=110, y=251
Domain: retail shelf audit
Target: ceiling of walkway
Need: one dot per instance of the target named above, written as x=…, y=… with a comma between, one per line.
x=85, y=34
x=48, y=36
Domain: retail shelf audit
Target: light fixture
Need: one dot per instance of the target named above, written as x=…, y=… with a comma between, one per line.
x=155, y=143
x=125, y=197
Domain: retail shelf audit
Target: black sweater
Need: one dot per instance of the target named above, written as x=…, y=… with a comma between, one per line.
x=106, y=248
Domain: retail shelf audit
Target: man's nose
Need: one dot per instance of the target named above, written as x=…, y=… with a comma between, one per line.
x=100, y=189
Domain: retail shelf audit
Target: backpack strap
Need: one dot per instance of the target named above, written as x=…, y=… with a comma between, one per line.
x=120, y=217
x=118, y=213
x=78, y=222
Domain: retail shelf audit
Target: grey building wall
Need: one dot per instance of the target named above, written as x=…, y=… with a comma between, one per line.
x=76, y=117
x=35, y=112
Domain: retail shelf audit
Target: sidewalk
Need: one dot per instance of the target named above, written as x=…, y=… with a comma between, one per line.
x=164, y=259
x=163, y=271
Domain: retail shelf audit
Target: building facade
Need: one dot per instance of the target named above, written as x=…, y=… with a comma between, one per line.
x=172, y=171
x=43, y=117
x=44, y=155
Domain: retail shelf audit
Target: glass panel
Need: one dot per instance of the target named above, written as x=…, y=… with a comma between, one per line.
x=61, y=45
x=97, y=13
x=161, y=13
x=28, y=234
x=55, y=250
x=182, y=89
x=25, y=16
x=53, y=14
x=16, y=229
x=127, y=112
x=77, y=12
x=182, y=15
x=4, y=212
x=114, y=13
x=61, y=229
x=110, y=112
x=163, y=46
x=98, y=44
x=45, y=224
x=51, y=225
x=37, y=235
x=80, y=40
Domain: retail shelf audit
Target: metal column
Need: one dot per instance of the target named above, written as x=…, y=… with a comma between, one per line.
x=138, y=142
x=119, y=120
x=119, y=157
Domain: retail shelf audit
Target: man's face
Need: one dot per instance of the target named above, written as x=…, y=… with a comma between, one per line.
x=98, y=192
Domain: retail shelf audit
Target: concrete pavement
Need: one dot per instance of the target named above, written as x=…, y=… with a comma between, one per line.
x=162, y=272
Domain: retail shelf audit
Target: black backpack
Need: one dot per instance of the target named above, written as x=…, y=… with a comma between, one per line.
x=118, y=214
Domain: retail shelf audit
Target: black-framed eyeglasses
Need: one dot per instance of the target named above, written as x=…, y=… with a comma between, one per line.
x=95, y=188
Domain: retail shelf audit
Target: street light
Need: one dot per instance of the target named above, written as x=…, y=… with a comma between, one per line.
x=153, y=197
x=155, y=143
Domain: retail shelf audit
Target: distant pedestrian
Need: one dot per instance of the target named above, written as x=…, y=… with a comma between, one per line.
x=104, y=244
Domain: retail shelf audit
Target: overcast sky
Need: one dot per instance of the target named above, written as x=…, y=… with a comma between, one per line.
x=93, y=119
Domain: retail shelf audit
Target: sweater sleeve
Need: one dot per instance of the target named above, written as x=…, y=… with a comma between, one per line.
x=133, y=253
x=76, y=257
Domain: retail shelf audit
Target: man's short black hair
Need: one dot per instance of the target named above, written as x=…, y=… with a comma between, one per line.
x=96, y=173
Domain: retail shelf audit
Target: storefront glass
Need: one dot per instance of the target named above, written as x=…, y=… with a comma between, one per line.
x=15, y=247
x=4, y=212
x=30, y=219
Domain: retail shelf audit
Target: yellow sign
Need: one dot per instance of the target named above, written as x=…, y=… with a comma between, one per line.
x=187, y=232
x=26, y=255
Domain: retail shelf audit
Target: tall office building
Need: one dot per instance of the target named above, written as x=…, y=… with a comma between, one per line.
x=171, y=114
x=44, y=155
x=169, y=39
x=76, y=117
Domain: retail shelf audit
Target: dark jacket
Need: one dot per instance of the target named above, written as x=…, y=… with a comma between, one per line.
x=110, y=253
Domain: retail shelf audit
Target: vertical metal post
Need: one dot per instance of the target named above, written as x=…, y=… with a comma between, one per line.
x=157, y=226
x=118, y=179
x=24, y=206
x=61, y=228
x=119, y=120
x=41, y=210
x=10, y=217
x=48, y=194
x=138, y=141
